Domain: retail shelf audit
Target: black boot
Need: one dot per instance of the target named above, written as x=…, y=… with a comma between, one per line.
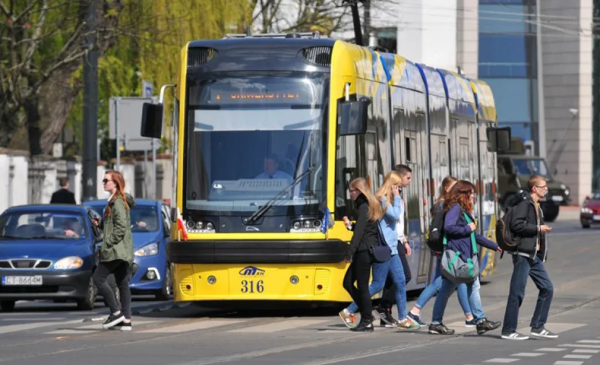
x=365, y=325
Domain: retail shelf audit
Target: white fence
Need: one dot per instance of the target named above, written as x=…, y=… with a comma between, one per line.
x=25, y=180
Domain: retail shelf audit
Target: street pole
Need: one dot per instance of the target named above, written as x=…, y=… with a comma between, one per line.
x=540, y=86
x=90, y=105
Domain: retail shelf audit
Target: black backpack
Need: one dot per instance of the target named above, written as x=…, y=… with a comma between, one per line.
x=504, y=235
x=435, y=235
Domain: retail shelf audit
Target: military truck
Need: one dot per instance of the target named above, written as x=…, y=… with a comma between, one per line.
x=514, y=170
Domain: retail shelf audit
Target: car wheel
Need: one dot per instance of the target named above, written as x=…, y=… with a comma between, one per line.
x=585, y=226
x=167, y=289
x=7, y=305
x=551, y=217
x=89, y=301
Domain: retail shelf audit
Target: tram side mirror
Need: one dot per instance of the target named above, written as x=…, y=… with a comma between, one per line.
x=152, y=120
x=498, y=139
x=354, y=115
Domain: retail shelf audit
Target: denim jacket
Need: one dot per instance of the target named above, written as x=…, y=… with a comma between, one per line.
x=388, y=223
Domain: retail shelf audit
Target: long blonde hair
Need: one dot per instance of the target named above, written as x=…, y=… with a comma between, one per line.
x=375, y=211
x=385, y=190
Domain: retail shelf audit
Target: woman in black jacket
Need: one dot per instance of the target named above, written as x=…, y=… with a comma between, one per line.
x=366, y=234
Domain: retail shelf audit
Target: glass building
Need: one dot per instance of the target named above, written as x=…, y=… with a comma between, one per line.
x=507, y=62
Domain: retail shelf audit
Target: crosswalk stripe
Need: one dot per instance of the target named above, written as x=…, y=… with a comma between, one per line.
x=33, y=319
x=89, y=328
x=551, y=349
x=555, y=327
x=582, y=346
x=528, y=354
x=563, y=362
x=585, y=357
x=280, y=326
x=459, y=327
x=501, y=360
x=29, y=326
x=191, y=326
x=585, y=351
x=588, y=341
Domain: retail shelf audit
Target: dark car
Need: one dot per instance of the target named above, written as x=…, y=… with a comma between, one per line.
x=48, y=252
x=590, y=211
x=150, y=228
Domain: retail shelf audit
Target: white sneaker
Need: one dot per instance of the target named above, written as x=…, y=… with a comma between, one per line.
x=515, y=336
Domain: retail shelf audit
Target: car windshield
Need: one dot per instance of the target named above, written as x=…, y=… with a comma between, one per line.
x=143, y=217
x=531, y=167
x=42, y=224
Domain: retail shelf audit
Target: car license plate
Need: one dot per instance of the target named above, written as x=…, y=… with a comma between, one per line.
x=557, y=198
x=597, y=217
x=22, y=280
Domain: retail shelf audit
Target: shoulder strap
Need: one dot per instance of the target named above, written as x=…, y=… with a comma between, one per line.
x=473, y=240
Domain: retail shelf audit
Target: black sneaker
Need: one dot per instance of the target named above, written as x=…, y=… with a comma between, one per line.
x=386, y=317
x=485, y=325
x=417, y=319
x=542, y=333
x=122, y=326
x=440, y=329
x=113, y=320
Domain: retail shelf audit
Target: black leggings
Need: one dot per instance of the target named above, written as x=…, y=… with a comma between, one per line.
x=360, y=271
x=388, y=297
x=122, y=272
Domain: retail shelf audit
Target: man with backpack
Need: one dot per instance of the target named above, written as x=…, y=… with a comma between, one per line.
x=529, y=249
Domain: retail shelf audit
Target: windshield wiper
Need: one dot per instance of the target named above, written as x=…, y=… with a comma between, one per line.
x=259, y=213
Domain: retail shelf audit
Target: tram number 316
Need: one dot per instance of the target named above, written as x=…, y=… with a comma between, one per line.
x=250, y=286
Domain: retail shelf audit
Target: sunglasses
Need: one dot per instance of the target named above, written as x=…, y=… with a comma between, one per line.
x=105, y=181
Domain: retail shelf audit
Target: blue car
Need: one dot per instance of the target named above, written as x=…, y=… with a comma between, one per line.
x=150, y=227
x=48, y=252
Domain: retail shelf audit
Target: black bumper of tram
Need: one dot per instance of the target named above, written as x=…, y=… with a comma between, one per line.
x=256, y=252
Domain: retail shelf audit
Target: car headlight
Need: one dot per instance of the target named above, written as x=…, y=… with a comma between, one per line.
x=567, y=192
x=148, y=250
x=563, y=186
x=69, y=263
x=586, y=210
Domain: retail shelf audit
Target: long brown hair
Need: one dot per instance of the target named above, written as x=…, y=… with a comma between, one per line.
x=375, y=211
x=444, y=192
x=385, y=190
x=461, y=194
x=119, y=182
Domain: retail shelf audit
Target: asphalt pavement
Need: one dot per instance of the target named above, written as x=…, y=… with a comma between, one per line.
x=187, y=334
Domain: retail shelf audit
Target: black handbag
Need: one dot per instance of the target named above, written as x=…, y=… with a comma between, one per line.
x=381, y=252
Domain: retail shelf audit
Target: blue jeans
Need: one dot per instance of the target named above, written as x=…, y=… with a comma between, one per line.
x=446, y=291
x=380, y=272
x=524, y=267
x=433, y=288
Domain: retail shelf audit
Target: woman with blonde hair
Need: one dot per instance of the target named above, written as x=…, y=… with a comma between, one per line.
x=389, y=197
x=365, y=236
x=116, y=252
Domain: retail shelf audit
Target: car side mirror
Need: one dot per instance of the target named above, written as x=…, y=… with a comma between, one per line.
x=152, y=115
x=354, y=116
x=498, y=139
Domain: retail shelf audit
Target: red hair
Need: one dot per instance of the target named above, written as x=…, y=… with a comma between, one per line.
x=119, y=182
x=461, y=194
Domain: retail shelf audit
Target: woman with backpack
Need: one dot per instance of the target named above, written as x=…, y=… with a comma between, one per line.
x=433, y=288
x=365, y=236
x=459, y=231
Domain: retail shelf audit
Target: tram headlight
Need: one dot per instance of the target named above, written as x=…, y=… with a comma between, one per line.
x=212, y=280
x=294, y=280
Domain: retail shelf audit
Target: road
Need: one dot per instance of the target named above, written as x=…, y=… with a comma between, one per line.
x=190, y=335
